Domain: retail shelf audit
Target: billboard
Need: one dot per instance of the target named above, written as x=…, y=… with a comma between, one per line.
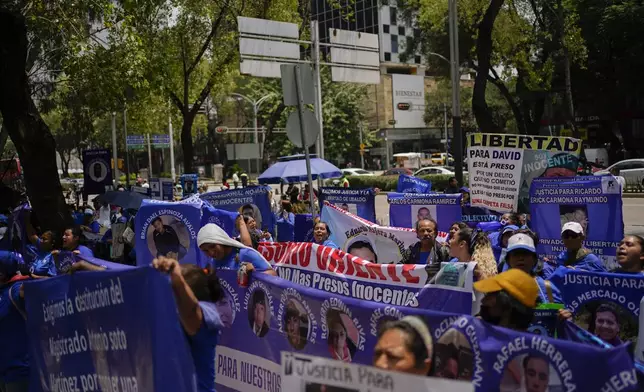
x=408, y=96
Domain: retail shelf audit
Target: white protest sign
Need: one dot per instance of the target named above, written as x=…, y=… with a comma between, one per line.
x=303, y=373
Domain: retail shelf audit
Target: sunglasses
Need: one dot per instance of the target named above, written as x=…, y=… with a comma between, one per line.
x=569, y=235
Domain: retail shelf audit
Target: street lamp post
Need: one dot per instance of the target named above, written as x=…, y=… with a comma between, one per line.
x=256, y=105
x=456, y=99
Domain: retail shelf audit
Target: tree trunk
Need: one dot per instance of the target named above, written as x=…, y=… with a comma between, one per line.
x=186, y=142
x=30, y=135
x=65, y=163
x=481, y=111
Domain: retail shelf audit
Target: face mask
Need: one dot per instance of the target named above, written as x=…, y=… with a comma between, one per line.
x=486, y=315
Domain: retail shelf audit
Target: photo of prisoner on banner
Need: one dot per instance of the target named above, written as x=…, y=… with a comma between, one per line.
x=608, y=321
x=342, y=335
x=297, y=324
x=259, y=314
x=530, y=373
x=604, y=304
x=454, y=358
x=167, y=236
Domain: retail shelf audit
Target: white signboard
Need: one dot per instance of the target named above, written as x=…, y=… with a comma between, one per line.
x=302, y=373
x=495, y=177
x=408, y=100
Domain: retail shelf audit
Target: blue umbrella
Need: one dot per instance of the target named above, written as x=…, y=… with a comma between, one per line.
x=124, y=199
x=294, y=170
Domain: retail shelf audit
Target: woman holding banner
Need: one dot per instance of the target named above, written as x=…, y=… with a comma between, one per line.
x=469, y=245
x=321, y=234
x=229, y=253
x=196, y=294
x=630, y=255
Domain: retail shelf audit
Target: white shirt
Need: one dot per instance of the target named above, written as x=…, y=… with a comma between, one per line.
x=621, y=181
x=235, y=177
x=145, y=185
x=104, y=216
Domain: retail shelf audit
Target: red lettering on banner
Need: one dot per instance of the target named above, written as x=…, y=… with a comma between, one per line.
x=391, y=270
x=342, y=263
x=268, y=253
x=281, y=251
x=407, y=275
x=360, y=270
x=333, y=262
x=351, y=267
x=377, y=271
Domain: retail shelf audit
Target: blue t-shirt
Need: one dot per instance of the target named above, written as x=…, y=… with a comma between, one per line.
x=44, y=265
x=543, y=292
x=423, y=258
x=14, y=347
x=85, y=251
x=589, y=262
x=95, y=227
x=330, y=244
x=243, y=255
x=203, y=345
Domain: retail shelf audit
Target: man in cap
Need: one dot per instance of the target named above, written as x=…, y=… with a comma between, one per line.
x=228, y=253
x=510, y=299
x=575, y=256
x=500, y=247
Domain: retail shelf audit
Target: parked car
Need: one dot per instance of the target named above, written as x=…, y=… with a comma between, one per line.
x=438, y=158
x=396, y=171
x=356, y=172
x=631, y=169
x=445, y=170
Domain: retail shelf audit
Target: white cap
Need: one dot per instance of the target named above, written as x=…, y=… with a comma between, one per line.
x=572, y=226
x=521, y=241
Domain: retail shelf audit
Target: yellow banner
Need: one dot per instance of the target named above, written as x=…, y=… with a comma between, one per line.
x=526, y=142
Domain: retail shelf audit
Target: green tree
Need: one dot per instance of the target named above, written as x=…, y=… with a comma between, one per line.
x=521, y=47
x=198, y=51
x=440, y=101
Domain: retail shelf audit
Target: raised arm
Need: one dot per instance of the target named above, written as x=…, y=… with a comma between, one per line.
x=190, y=312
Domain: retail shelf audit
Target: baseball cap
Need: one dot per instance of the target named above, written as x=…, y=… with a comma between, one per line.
x=89, y=211
x=515, y=282
x=521, y=241
x=572, y=226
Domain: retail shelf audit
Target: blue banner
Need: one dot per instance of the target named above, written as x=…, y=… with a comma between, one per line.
x=405, y=209
x=272, y=315
x=168, y=229
x=595, y=202
x=222, y=218
x=411, y=184
x=167, y=189
x=189, y=183
x=303, y=228
x=97, y=171
x=361, y=202
x=251, y=201
x=472, y=216
x=106, y=331
x=605, y=304
x=155, y=188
